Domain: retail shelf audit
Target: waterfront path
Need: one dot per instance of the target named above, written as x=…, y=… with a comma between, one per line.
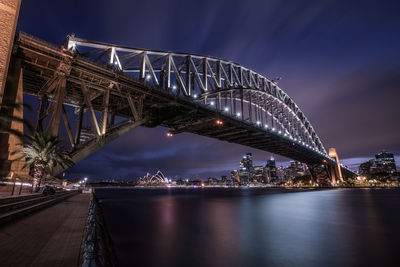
x=51, y=237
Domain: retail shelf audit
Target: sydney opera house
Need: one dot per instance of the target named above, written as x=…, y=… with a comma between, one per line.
x=157, y=179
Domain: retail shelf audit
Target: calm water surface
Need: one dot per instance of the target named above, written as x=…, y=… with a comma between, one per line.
x=253, y=227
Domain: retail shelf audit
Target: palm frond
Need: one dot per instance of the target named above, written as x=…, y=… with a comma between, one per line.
x=45, y=148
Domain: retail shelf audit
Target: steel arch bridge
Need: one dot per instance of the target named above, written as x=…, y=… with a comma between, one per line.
x=186, y=93
x=218, y=84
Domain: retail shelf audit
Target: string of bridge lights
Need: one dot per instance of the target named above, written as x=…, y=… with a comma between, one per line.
x=219, y=122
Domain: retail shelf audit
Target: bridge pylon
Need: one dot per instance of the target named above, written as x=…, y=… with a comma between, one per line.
x=336, y=171
x=9, y=11
x=10, y=87
x=13, y=93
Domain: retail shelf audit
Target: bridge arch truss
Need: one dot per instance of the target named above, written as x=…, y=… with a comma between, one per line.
x=217, y=84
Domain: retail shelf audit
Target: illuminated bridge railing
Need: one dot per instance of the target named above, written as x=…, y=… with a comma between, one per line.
x=219, y=84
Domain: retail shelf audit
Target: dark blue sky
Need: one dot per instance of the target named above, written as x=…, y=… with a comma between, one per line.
x=340, y=62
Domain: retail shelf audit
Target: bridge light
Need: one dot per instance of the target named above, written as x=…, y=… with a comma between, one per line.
x=273, y=129
x=212, y=103
x=295, y=139
x=266, y=126
x=279, y=132
x=238, y=114
x=174, y=87
x=226, y=109
x=148, y=77
x=72, y=45
x=258, y=122
x=194, y=96
x=285, y=134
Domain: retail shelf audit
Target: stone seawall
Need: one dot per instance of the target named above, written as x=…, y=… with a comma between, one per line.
x=98, y=248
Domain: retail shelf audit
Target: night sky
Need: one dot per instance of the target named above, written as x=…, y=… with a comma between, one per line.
x=339, y=60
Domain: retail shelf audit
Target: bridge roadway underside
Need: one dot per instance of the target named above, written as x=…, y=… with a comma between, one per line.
x=41, y=62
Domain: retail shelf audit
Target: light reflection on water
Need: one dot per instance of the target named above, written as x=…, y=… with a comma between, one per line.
x=253, y=227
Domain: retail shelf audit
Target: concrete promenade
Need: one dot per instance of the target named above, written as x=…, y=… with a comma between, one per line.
x=51, y=237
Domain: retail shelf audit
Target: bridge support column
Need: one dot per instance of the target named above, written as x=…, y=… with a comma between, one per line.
x=13, y=93
x=58, y=106
x=98, y=142
x=337, y=169
x=9, y=11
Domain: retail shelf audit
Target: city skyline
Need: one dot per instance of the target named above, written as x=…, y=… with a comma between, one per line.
x=338, y=68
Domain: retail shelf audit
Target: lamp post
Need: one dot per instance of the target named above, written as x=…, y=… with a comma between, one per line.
x=20, y=188
x=12, y=176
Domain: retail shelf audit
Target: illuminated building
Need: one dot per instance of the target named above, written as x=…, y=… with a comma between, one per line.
x=385, y=162
x=271, y=167
x=246, y=169
x=157, y=179
x=382, y=166
x=260, y=174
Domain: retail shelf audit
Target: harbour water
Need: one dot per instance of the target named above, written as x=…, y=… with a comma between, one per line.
x=253, y=227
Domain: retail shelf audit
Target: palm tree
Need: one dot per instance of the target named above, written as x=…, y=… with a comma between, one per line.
x=43, y=154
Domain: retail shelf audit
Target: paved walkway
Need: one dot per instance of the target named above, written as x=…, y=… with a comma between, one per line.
x=51, y=237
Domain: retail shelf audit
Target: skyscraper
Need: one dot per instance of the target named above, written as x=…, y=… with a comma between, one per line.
x=247, y=162
x=271, y=166
x=246, y=169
